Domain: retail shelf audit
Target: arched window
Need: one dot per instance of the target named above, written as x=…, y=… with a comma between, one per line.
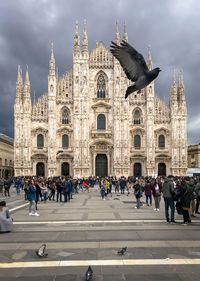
x=161, y=141
x=65, y=141
x=137, y=141
x=137, y=117
x=40, y=141
x=101, y=87
x=101, y=122
x=65, y=116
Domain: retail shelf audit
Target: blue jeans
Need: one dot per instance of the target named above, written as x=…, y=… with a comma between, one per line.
x=45, y=196
x=18, y=189
x=103, y=194
x=169, y=202
x=59, y=194
x=122, y=190
x=150, y=199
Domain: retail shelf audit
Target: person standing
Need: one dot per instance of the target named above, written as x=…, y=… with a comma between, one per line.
x=6, y=222
x=197, y=192
x=31, y=195
x=122, y=185
x=59, y=190
x=26, y=186
x=137, y=193
x=168, y=191
x=156, y=191
x=147, y=190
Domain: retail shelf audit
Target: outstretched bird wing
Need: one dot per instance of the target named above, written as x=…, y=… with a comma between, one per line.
x=132, y=62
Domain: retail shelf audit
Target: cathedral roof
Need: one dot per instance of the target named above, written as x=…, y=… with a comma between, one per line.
x=162, y=111
x=101, y=57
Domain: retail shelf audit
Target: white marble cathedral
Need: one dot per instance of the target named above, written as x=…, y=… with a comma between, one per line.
x=84, y=126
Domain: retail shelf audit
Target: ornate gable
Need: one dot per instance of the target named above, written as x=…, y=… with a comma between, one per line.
x=100, y=57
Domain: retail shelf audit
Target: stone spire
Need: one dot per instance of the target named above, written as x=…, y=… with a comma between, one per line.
x=76, y=40
x=27, y=85
x=173, y=91
x=34, y=98
x=19, y=83
x=181, y=88
x=85, y=39
x=52, y=71
x=125, y=37
x=149, y=62
x=117, y=37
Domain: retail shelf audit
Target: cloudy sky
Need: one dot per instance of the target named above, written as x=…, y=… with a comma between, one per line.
x=27, y=28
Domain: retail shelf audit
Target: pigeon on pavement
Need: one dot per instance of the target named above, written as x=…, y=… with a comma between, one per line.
x=41, y=251
x=89, y=273
x=122, y=251
x=134, y=66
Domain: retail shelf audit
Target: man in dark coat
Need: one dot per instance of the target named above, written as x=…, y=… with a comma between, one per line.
x=168, y=191
x=122, y=185
x=59, y=189
x=137, y=193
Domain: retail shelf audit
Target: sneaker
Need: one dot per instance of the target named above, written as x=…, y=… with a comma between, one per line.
x=167, y=221
x=136, y=207
x=173, y=222
x=36, y=214
x=193, y=216
x=30, y=214
x=185, y=223
x=155, y=209
x=158, y=210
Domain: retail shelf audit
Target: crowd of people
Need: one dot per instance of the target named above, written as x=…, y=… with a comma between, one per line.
x=181, y=194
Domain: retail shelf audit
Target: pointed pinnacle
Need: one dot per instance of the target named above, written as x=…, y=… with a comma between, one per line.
x=27, y=75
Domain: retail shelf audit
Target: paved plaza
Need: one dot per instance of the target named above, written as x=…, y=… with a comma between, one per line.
x=90, y=231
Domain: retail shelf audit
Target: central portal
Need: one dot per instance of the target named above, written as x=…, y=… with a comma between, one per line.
x=101, y=165
x=65, y=169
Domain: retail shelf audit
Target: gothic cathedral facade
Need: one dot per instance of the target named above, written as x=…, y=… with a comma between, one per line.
x=83, y=125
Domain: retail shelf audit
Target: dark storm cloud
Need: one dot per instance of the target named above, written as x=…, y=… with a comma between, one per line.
x=27, y=28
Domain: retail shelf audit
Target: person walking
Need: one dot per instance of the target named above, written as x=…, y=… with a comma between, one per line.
x=7, y=185
x=168, y=191
x=103, y=189
x=31, y=195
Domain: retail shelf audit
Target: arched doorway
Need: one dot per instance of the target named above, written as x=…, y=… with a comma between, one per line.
x=40, y=169
x=65, y=169
x=101, y=165
x=137, y=170
x=161, y=169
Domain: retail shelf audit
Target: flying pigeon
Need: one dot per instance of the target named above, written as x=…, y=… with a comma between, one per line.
x=134, y=66
x=41, y=251
x=122, y=251
x=89, y=273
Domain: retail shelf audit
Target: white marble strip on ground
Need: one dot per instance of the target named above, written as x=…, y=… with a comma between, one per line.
x=102, y=245
x=19, y=207
x=93, y=221
x=132, y=262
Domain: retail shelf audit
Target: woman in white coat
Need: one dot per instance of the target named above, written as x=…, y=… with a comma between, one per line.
x=6, y=222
